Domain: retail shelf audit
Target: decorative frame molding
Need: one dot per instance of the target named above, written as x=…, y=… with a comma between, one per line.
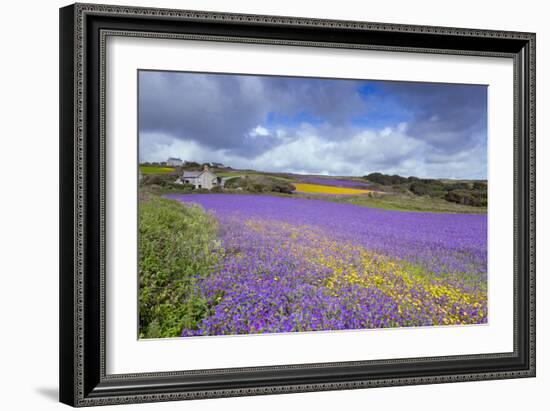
x=83, y=32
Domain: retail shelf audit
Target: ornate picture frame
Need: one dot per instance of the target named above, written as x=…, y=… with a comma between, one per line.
x=84, y=31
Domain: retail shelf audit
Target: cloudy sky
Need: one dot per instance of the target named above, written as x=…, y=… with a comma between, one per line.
x=314, y=126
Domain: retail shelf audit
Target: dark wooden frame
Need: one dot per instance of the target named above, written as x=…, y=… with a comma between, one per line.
x=83, y=29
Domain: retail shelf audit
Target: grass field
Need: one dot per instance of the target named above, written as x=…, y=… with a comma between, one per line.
x=409, y=203
x=150, y=170
x=229, y=174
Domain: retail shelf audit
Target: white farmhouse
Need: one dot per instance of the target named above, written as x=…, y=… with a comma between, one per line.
x=174, y=162
x=201, y=179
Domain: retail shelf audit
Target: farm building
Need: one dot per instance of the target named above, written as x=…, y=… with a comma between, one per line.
x=201, y=179
x=174, y=162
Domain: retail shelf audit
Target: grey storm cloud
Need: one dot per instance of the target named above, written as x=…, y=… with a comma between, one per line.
x=449, y=117
x=214, y=110
x=220, y=110
x=314, y=125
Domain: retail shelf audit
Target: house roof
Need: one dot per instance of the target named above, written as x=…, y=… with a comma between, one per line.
x=195, y=174
x=192, y=173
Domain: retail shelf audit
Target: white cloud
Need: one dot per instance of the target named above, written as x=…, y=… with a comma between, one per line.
x=259, y=131
x=307, y=150
x=159, y=147
x=386, y=132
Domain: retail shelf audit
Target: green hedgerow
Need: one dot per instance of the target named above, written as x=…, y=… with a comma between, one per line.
x=177, y=246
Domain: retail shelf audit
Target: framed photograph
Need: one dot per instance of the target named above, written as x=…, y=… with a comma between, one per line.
x=262, y=204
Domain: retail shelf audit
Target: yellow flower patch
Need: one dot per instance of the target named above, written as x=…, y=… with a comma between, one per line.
x=321, y=189
x=412, y=289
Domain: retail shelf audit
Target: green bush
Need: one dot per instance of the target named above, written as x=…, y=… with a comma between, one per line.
x=467, y=197
x=181, y=188
x=479, y=185
x=233, y=182
x=280, y=186
x=457, y=186
x=177, y=246
x=192, y=165
x=158, y=179
x=260, y=184
x=422, y=189
x=386, y=180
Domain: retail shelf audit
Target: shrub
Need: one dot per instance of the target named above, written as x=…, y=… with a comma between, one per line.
x=479, y=185
x=280, y=186
x=180, y=188
x=234, y=182
x=467, y=197
x=260, y=184
x=192, y=165
x=158, y=179
x=422, y=189
x=385, y=179
x=177, y=246
x=457, y=186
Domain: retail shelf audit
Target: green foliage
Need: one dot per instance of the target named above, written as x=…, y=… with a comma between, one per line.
x=192, y=165
x=280, y=186
x=179, y=188
x=158, y=179
x=458, y=186
x=177, y=246
x=459, y=192
x=386, y=180
x=479, y=185
x=164, y=183
x=422, y=189
x=260, y=184
x=467, y=197
x=234, y=182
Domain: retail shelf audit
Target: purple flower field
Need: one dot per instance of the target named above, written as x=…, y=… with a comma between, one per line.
x=293, y=264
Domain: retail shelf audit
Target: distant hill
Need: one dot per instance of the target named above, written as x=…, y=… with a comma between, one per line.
x=466, y=192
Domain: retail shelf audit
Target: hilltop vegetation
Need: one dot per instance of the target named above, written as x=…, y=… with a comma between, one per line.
x=469, y=193
x=260, y=184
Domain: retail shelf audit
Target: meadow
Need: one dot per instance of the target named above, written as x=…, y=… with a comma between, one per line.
x=282, y=264
x=154, y=170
